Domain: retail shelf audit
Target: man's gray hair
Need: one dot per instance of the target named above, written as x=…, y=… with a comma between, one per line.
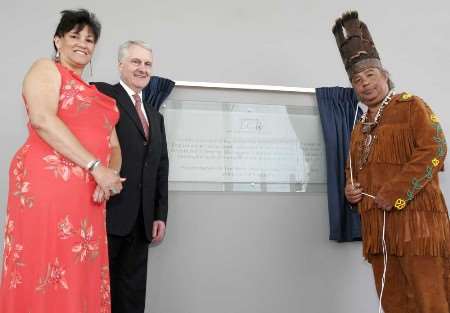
x=123, y=48
x=391, y=84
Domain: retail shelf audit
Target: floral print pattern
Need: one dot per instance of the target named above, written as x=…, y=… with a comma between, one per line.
x=62, y=167
x=21, y=181
x=105, y=292
x=54, y=277
x=72, y=92
x=17, y=262
x=8, y=243
x=65, y=228
x=87, y=246
x=12, y=260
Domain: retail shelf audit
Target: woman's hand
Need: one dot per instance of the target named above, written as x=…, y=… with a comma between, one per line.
x=108, y=181
x=99, y=195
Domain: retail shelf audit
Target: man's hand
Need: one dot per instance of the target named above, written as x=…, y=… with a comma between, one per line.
x=383, y=204
x=159, y=230
x=353, y=193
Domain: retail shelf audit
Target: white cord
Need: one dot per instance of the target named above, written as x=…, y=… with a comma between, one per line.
x=383, y=240
x=385, y=260
x=349, y=150
x=366, y=194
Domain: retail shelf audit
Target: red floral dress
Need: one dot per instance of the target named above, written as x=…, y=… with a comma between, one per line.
x=55, y=248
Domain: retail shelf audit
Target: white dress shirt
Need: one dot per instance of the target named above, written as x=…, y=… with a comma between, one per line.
x=130, y=93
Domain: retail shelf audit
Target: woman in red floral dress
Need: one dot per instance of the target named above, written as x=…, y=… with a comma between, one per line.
x=55, y=256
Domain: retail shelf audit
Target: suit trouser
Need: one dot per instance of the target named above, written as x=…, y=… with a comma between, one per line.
x=413, y=284
x=128, y=269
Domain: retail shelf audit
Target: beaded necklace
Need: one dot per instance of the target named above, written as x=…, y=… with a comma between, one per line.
x=368, y=128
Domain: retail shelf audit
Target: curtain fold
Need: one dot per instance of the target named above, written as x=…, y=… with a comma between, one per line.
x=337, y=106
x=157, y=90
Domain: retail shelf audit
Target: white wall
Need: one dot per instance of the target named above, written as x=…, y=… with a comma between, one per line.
x=242, y=253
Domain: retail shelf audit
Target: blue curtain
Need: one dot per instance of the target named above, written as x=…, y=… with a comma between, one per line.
x=337, y=107
x=157, y=90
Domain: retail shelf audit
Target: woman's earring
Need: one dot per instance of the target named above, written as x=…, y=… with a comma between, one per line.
x=57, y=55
x=90, y=68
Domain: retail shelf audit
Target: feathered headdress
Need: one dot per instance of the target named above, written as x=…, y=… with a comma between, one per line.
x=356, y=46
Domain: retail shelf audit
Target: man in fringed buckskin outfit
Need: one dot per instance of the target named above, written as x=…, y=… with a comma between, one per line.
x=397, y=150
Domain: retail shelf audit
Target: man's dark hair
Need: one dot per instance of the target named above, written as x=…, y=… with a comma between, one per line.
x=77, y=19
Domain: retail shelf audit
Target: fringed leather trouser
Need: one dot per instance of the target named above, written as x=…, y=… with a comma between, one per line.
x=414, y=284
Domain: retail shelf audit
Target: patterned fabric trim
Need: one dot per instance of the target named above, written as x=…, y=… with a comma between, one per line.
x=416, y=183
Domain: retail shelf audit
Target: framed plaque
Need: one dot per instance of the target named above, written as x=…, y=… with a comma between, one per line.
x=227, y=137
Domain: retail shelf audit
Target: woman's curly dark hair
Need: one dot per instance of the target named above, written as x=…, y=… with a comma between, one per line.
x=77, y=19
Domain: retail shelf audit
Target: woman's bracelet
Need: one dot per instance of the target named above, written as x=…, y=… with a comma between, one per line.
x=92, y=165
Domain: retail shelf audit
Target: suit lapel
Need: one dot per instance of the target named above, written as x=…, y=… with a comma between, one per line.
x=124, y=101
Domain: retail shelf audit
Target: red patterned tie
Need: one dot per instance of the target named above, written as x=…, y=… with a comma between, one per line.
x=138, y=106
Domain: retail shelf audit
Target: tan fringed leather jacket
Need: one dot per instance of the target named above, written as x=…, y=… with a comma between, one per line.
x=402, y=167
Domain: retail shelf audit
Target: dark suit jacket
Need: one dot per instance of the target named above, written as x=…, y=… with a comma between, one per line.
x=145, y=165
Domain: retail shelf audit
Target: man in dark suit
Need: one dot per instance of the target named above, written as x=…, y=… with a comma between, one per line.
x=136, y=216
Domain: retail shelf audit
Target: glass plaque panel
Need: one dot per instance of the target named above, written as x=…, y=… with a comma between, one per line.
x=244, y=140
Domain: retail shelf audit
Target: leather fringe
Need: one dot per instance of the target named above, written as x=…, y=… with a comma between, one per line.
x=397, y=146
x=408, y=232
